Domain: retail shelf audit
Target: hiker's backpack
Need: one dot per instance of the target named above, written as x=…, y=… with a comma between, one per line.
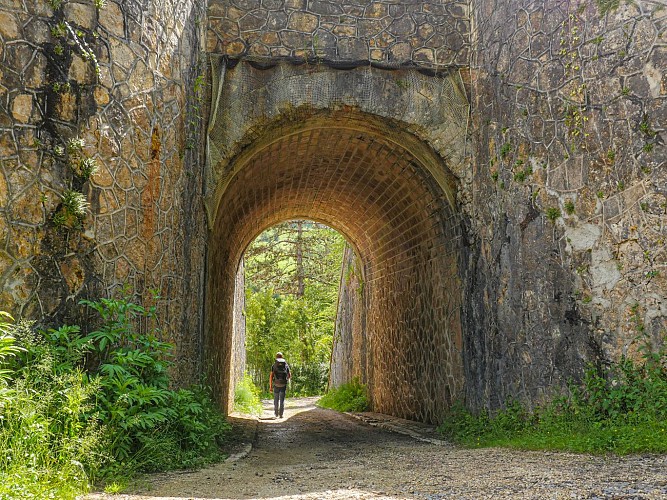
x=280, y=372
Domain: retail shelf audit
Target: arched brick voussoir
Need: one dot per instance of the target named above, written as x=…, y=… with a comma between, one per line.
x=377, y=189
x=254, y=107
x=369, y=187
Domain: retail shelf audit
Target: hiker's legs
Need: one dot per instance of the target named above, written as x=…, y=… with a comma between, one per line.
x=276, y=399
x=282, y=391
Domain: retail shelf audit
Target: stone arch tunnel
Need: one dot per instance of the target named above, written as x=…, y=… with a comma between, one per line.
x=391, y=195
x=497, y=164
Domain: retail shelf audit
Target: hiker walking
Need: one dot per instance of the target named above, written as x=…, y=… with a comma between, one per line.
x=280, y=374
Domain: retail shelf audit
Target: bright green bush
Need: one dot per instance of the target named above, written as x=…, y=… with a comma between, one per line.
x=77, y=408
x=50, y=447
x=621, y=409
x=246, y=397
x=308, y=380
x=352, y=396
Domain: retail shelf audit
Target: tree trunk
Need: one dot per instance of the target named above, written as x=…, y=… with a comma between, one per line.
x=300, y=271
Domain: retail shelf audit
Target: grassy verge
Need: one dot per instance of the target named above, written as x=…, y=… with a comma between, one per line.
x=621, y=409
x=351, y=396
x=247, y=397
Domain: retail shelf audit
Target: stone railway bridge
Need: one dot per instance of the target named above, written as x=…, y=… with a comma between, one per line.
x=498, y=167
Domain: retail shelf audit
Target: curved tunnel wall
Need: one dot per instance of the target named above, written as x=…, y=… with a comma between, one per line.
x=339, y=169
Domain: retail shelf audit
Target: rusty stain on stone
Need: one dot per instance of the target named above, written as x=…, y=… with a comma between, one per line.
x=151, y=190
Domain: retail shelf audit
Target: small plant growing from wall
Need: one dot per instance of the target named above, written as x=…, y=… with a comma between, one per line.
x=505, y=150
x=67, y=36
x=86, y=168
x=71, y=211
x=611, y=156
x=645, y=127
x=522, y=174
x=553, y=213
x=607, y=5
x=82, y=166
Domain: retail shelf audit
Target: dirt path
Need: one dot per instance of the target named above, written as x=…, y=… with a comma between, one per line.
x=314, y=453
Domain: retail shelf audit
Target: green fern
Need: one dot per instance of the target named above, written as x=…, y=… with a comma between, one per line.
x=87, y=167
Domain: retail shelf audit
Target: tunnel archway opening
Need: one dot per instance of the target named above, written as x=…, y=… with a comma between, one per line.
x=291, y=274
x=392, y=197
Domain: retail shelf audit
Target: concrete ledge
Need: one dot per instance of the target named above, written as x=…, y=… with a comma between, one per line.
x=416, y=430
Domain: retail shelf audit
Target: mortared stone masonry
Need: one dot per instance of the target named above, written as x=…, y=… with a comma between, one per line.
x=497, y=166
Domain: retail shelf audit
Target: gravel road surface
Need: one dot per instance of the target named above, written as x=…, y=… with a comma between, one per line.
x=320, y=454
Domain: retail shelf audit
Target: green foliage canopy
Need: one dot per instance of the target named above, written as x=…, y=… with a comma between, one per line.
x=292, y=274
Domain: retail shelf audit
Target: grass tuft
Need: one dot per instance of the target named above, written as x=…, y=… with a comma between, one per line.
x=246, y=397
x=352, y=396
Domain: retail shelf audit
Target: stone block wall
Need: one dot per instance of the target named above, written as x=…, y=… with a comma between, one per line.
x=556, y=178
x=123, y=78
x=348, y=356
x=567, y=261
x=351, y=32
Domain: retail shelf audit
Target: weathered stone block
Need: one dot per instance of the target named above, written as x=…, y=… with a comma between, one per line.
x=252, y=22
x=235, y=48
x=303, y=22
x=83, y=15
x=402, y=26
x=400, y=52
x=9, y=27
x=352, y=49
x=22, y=107
x=111, y=19
x=66, y=106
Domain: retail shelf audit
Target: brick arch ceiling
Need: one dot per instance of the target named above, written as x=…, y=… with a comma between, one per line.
x=367, y=186
x=378, y=193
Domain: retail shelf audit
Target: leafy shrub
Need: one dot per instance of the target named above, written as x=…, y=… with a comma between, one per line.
x=309, y=380
x=351, y=396
x=246, y=397
x=151, y=427
x=76, y=408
